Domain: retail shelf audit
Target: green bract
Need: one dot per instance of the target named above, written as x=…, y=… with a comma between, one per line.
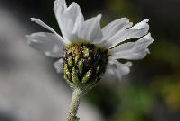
x=84, y=63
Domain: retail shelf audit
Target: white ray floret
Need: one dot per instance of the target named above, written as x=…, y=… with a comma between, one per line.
x=75, y=28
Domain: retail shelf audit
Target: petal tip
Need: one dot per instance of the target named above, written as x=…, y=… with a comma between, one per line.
x=58, y=66
x=28, y=39
x=33, y=19
x=146, y=20
x=149, y=37
x=58, y=3
x=99, y=16
x=147, y=51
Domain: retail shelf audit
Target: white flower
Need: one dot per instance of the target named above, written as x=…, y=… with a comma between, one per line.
x=75, y=28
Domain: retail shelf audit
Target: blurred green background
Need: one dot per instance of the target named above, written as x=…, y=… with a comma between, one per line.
x=151, y=92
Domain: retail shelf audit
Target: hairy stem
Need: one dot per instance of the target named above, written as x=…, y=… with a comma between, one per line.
x=76, y=95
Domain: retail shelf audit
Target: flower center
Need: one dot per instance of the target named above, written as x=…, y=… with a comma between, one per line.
x=84, y=63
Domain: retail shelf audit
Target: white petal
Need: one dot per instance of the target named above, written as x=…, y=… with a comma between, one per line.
x=46, y=42
x=139, y=30
x=41, y=23
x=58, y=65
x=69, y=19
x=142, y=24
x=117, y=69
x=132, y=50
x=59, y=4
x=90, y=29
x=112, y=28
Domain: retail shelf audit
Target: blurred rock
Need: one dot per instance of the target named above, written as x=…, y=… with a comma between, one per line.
x=29, y=90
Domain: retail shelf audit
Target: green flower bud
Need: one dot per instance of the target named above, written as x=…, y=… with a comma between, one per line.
x=84, y=64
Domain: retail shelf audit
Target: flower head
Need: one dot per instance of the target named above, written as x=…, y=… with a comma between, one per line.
x=86, y=51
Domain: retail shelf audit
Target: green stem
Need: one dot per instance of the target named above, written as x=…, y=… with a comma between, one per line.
x=76, y=95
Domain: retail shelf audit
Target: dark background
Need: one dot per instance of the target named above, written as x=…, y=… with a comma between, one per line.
x=151, y=92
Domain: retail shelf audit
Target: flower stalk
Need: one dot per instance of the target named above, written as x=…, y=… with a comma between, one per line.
x=76, y=95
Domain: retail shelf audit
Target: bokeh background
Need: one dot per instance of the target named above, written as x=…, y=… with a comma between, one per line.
x=30, y=89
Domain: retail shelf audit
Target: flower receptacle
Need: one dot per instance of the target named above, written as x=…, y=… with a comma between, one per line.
x=84, y=64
